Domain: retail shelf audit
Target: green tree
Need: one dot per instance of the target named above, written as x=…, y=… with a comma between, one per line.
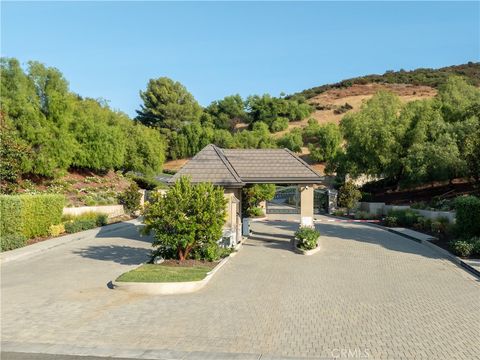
x=145, y=152
x=188, y=217
x=228, y=112
x=258, y=138
x=373, y=137
x=38, y=105
x=349, y=195
x=429, y=148
x=456, y=96
x=328, y=139
x=268, y=109
x=255, y=194
x=98, y=133
x=279, y=124
x=292, y=140
x=167, y=104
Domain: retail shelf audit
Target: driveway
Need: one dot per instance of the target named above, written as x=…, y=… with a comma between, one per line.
x=367, y=294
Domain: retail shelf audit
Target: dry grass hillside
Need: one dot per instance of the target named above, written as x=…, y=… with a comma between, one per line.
x=329, y=102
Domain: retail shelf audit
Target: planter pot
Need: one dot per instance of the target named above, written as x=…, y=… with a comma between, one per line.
x=305, y=252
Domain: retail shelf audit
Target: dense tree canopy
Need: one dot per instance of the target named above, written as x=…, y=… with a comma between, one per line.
x=228, y=112
x=47, y=129
x=270, y=110
x=167, y=104
x=418, y=142
x=63, y=130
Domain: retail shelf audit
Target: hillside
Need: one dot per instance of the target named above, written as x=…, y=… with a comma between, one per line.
x=426, y=77
x=328, y=105
x=333, y=101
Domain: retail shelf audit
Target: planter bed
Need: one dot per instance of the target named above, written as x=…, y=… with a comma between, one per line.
x=170, y=277
x=169, y=271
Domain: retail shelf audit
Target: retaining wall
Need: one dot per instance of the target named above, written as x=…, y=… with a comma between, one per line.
x=379, y=208
x=110, y=210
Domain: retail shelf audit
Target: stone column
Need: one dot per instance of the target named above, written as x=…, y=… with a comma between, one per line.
x=306, y=205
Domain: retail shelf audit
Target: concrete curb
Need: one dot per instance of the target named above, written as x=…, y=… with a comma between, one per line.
x=260, y=218
x=305, y=252
x=28, y=251
x=125, y=353
x=169, y=288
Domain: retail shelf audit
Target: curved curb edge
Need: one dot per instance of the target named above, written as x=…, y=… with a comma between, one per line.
x=169, y=288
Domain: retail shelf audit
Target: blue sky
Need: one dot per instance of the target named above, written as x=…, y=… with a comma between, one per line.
x=111, y=49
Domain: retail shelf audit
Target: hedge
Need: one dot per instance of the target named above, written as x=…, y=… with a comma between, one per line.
x=29, y=215
x=467, y=216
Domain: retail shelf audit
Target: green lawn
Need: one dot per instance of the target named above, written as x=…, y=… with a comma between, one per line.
x=163, y=273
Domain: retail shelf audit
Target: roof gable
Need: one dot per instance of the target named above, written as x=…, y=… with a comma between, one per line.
x=237, y=167
x=209, y=165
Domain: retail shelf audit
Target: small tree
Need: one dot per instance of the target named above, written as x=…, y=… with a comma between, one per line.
x=130, y=198
x=349, y=195
x=186, y=218
x=257, y=193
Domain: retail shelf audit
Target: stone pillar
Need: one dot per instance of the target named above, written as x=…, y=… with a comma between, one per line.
x=306, y=205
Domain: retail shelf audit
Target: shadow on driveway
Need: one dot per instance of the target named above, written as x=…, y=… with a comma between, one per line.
x=122, y=249
x=125, y=255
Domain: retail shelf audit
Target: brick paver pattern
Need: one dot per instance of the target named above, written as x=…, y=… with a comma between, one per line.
x=367, y=293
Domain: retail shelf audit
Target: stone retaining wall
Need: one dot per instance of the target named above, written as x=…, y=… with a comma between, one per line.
x=110, y=210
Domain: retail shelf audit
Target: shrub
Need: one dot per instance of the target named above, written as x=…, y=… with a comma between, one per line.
x=29, y=215
x=405, y=217
x=462, y=248
x=364, y=215
x=349, y=195
x=84, y=221
x=255, y=194
x=130, y=199
x=468, y=216
x=307, y=238
x=12, y=241
x=186, y=218
x=102, y=219
x=146, y=183
x=339, y=212
x=255, y=212
x=56, y=230
x=77, y=225
x=279, y=124
x=391, y=221
x=476, y=245
x=423, y=223
x=440, y=225
x=214, y=252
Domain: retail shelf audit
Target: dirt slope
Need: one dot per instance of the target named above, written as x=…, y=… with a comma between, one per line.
x=355, y=96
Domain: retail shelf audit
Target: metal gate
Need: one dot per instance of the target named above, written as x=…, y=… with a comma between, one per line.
x=285, y=201
x=320, y=201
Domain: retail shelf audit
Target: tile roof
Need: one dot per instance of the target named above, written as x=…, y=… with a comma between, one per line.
x=237, y=167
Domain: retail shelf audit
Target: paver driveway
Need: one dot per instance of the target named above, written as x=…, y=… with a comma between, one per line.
x=366, y=294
